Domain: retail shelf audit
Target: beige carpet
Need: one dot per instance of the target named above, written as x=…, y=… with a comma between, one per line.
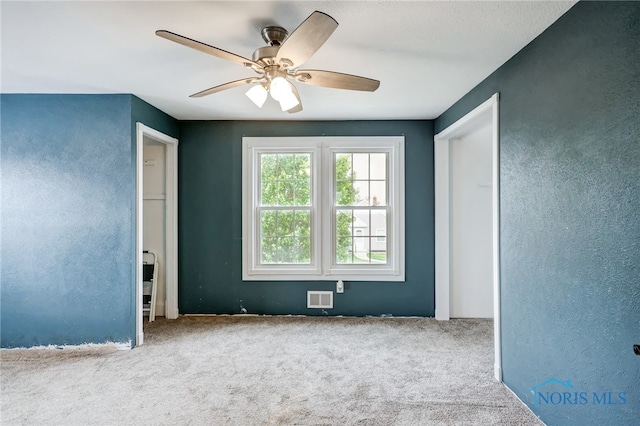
x=268, y=371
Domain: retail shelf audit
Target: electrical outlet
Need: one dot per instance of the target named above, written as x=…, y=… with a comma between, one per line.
x=339, y=287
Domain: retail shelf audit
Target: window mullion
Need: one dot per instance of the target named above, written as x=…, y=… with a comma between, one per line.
x=326, y=188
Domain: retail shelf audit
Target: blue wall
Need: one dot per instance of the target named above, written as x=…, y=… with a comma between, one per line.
x=66, y=219
x=210, y=224
x=68, y=191
x=570, y=213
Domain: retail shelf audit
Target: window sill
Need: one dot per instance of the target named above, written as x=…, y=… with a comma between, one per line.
x=347, y=276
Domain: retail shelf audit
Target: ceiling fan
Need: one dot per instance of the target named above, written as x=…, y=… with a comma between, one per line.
x=278, y=63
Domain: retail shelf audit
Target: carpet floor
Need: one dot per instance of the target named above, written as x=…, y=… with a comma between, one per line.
x=255, y=370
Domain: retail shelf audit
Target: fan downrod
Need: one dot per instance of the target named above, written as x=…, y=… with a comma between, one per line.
x=274, y=35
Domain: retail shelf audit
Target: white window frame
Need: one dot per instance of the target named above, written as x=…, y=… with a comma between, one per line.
x=323, y=266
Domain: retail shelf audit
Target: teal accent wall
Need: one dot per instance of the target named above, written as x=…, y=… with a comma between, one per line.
x=210, y=224
x=152, y=117
x=67, y=218
x=570, y=214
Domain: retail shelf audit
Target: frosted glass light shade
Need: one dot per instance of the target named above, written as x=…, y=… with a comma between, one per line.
x=279, y=88
x=257, y=94
x=288, y=101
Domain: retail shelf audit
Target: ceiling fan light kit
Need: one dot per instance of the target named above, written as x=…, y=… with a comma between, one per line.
x=258, y=95
x=278, y=63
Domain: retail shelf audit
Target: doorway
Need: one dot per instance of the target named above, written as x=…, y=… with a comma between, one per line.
x=466, y=174
x=156, y=218
x=471, y=257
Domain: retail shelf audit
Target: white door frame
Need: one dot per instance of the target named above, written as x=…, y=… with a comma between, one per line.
x=442, y=163
x=171, y=223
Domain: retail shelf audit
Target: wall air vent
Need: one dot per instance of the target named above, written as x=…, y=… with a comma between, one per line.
x=320, y=299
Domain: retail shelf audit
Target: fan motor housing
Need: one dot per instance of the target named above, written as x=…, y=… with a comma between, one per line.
x=266, y=55
x=274, y=35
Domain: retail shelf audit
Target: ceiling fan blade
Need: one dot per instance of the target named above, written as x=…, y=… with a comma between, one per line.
x=225, y=86
x=336, y=80
x=202, y=47
x=306, y=39
x=298, y=107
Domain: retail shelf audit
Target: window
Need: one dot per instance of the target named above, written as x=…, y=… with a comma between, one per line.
x=284, y=208
x=323, y=208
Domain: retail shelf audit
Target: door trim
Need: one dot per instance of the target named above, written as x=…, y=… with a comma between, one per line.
x=442, y=147
x=171, y=223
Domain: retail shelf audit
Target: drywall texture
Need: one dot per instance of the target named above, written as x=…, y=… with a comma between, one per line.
x=210, y=224
x=151, y=116
x=67, y=191
x=68, y=223
x=570, y=215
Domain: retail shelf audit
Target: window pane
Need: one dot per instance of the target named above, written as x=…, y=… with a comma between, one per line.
x=284, y=196
x=361, y=250
x=302, y=196
x=268, y=223
x=379, y=222
x=344, y=241
x=344, y=223
x=285, y=223
x=268, y=179
x=344, y=250
x=361, y=230
x=269, y=191
x=353, y=236
x=302, y=250
x=286, y=250
x=346, y=194
x=361, y=166
x=378, y=166
x=378, y=193
x=303, y=166
x=361, y=192
x=269, y=250
x=268, y=165
x=286, y=166
x=378, y=253
x=361, y=223
x=302, y=227
x=343, y=167
x=302, y=179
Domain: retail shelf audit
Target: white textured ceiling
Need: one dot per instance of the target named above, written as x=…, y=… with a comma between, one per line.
x=426, y=54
